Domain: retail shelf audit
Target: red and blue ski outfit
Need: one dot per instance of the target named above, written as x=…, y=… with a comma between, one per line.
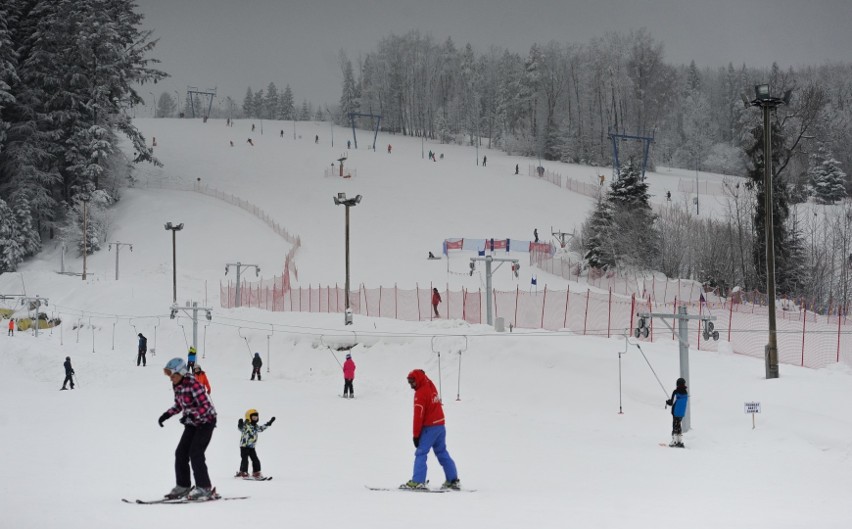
x=429, y=430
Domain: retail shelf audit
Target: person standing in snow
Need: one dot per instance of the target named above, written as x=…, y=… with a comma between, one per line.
x=201, y=377
x=191, y=356
x=69, y=373
x=143, y=348
x=256, y=364
x=678, y=402
x=436, y=298
x=348, y=377
x=248, y=441
x=429, y=433
x=389, y=148
x=535, y=234
x=199, y=420
x=484, y=161
x=11, y=327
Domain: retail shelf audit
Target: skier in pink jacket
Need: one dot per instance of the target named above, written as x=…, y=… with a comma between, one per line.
x=348, y=377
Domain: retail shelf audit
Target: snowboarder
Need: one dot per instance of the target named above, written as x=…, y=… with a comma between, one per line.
x=69, y=373
x=348, y=377
x=436, y=298
x=678, y=402
x=199, y=421
x=429, y=433
x=191, y=357
x=256, y=364
x=201, y=377
x=248, y=439
x=143, y=348
x=484, y=160
x=11, y=327
x=535, y=234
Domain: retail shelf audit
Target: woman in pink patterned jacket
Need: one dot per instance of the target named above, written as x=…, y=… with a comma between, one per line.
x=199, y=420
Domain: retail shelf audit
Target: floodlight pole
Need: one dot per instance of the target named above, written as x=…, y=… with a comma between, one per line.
x=239, y=265
x=488, y=270
x=341, y=199
x=118, y=246
x=768, y=103
x=174, y=229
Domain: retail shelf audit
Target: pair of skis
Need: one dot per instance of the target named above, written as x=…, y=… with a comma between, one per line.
x=423, y=490
x=176, y=501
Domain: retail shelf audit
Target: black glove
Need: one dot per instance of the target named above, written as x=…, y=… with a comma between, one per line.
x=240, y=424
x=162, y=418
x=270, y=421
x=183, y=419
x=416, y=442
x=669, y=402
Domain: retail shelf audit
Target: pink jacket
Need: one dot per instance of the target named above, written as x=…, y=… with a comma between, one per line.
x=349, y=369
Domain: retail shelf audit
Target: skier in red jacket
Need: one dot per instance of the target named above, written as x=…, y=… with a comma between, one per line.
x=429, y=433
x=436, y=298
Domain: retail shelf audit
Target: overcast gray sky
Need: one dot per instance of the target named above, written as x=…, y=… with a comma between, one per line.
x=233, y=44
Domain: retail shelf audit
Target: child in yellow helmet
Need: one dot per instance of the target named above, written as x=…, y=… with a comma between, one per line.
x=248, y=439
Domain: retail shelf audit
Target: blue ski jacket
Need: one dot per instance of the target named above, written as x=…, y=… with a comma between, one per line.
x=679, y=400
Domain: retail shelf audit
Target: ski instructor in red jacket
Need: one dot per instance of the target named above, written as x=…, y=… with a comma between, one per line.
x=429, y=433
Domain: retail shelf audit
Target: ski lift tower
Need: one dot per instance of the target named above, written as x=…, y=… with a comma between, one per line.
x=195, y=95
x=615, y=137
x=377, y=117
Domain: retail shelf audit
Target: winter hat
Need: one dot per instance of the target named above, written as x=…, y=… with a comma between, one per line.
x=681, y=383
x=251, y=412
x=176, y=365
x=139, y=335
x=348, y=356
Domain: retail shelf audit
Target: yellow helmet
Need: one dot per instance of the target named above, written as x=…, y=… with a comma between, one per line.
x=251, y=412
x=192, y=350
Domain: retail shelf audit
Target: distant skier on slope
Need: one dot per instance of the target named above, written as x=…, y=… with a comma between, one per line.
x=348, y=377
x=678, y=402
x=69, y=373
x=256, y=364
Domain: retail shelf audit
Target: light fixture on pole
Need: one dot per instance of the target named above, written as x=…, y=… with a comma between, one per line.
x=339, y=200
x=764, y=100
x=174, y=229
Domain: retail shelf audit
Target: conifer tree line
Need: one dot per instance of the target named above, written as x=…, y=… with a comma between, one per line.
x=272, y=104
x=67, y=68
x=559, y=102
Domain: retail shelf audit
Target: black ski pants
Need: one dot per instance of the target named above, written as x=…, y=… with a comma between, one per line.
x=347, y=387
x=140, y=358
x=190, y=450
x=676, y=428
x=247, y=453
x=68, y=378
x=255, y=371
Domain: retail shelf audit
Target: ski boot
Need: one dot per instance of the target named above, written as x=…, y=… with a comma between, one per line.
x=257, y=475
x=177, y=493
x=202, y=494
x=413, y=485
x=453, y=484
x=241, y=474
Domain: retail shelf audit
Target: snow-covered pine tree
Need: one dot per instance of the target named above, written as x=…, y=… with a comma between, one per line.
x=349, y=98
x=633, y=234
x=306, y=111
x=270, y=102
x=826, y=179
x=166, y=106
x=248, y=104
x=11, y=253
x=597, y=240
x=287, y=108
